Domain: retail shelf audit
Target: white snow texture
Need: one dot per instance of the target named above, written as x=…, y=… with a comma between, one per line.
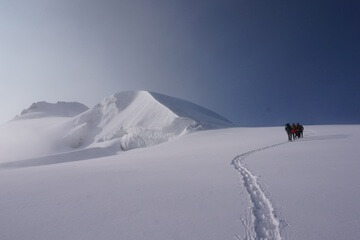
x=65, y=173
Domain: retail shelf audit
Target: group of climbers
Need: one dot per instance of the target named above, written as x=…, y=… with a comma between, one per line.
x=294, y=131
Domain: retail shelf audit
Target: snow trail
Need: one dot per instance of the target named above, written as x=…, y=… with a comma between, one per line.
x=264, y=223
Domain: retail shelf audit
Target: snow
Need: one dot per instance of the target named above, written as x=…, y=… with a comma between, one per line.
x=121, y=122
x=315, y=182
x=187, y=109
x=140, y=119
x=34, y=137
x=230, y=183
x=59, y=109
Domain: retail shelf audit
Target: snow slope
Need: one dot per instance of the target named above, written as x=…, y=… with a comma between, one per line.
x=234, y=183
x=314, y=182
x=38, y=131
x=136, y=119
x=123, y=121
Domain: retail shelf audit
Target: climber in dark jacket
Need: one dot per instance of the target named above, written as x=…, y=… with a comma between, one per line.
x=288, y=129
x=300, y=130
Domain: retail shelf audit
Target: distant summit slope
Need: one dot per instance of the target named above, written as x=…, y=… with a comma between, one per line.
x=59, y=109
x=136, y=119
x=205, y=117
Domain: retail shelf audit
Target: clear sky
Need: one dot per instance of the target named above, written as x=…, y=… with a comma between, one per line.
x=254, y=62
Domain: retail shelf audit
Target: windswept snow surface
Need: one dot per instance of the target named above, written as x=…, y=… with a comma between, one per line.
x=34, y=137
x=234, y=183
x=38, y=131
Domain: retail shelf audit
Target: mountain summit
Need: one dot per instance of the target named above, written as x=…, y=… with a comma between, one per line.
x=120, y=122
x=59, y=109
x=139, y=119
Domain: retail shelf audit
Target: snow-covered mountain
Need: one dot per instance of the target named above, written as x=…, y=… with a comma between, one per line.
x=120, y=122
x=230, y=183
x=140, y=119
x=59, y=109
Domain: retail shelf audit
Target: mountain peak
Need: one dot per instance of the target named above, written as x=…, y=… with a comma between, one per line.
x=178, y=107
x=59, y=109
x=120, y=122
x=184, y=108
x=141, y=118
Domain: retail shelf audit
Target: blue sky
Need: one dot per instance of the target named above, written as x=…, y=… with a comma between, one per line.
x=258, y=63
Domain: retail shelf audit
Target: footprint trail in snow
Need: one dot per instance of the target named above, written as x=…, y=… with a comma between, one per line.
x=264, y=223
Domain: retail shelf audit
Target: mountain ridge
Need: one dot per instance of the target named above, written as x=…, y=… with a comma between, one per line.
x=139, y=119
x=59, y=109
x=120, y=122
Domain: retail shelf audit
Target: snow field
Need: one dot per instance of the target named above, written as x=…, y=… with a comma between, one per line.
x=264, y=223
x=163, y=192
x=311, y=183
x=234, y=183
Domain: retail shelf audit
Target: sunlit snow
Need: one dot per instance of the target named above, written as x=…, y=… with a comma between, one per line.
x=137, y=167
